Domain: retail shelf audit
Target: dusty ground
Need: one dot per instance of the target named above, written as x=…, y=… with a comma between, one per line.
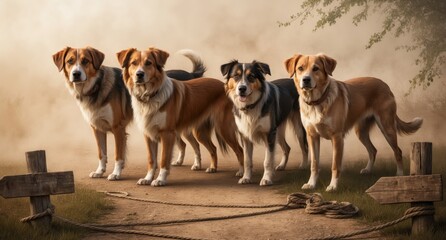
x=188, y=186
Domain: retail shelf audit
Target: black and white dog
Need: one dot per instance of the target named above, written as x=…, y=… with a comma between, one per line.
x=261, y=111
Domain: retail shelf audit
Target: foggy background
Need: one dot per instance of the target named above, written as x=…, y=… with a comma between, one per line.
x=37, y=112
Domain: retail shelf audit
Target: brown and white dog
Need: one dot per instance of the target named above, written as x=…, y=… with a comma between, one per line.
x=102, y=98
x=262, y=110
x=106, y=104
x=330, y=108
x=164, y=107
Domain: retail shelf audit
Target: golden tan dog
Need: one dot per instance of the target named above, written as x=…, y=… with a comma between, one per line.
x=330, y=108
x=164, y=107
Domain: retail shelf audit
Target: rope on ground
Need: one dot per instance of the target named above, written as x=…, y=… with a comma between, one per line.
x=410, y=213
x=313, y=204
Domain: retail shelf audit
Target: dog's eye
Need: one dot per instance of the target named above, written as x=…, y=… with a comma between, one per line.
x=251, y=78
x=70, y=61
x=134, y=63
x=315, y=69
x=84, y=61
x=300, y=68
x=148, y=63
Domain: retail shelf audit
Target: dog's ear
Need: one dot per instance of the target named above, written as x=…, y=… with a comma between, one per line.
x=329, y=63
x=96, y=56
x=290, y=64
x=263, y=67
x=160, y=57
x=124, y=57
x=226, y=68
x=59, y=58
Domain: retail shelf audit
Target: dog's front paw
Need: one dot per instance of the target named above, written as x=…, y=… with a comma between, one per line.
x=280, y=167
x=113, y=177
x=158, y=183
x=244, y=181
x=211, y=170
x=308, y=186
x=96, y=175
x=266, y=182
x=331, y=188
x=144, y=181
x=195, y=167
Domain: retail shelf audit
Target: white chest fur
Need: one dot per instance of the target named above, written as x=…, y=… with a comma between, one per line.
x=148, y=118
x=252, y=127
x=101, y=118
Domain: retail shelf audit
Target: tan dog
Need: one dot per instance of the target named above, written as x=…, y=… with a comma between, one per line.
x=330, y=108
x=164, y=107
x=102, y=98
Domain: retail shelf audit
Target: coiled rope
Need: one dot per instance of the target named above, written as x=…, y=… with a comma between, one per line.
x=313, y=204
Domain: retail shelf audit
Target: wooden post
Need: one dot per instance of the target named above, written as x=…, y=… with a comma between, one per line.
x=421, y=164
x=36, y=163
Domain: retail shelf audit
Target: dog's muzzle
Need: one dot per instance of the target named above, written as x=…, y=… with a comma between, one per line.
x=305, y=83
x=76, y=78
x=140, y=77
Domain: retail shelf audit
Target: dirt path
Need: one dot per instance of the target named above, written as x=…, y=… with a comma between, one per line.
x=187, y=186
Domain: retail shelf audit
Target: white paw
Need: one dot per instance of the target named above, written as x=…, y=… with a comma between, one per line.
x=96, y=175
x=144, y=181
x=158, y=183
x=365, y=171
x=195, y=167
x=177, y=163
x=211, y=170
x=308, y=186
x=113, y=177
x=280, y=167
x=239, y=173
x=244, y=181
x=331, y=188
x=266, y=182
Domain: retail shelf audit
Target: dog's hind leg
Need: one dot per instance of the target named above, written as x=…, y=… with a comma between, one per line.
x=181, y=151
x=362, y=130
x=301, y=135
x=284, y=145
x=196, y=146
x=120, y=153
x=101, y=140
x=387, y=124
x=203, y=135
x=227, y=131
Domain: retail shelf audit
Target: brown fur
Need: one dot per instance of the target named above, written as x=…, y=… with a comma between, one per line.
x=187, y=106
x=330, y=108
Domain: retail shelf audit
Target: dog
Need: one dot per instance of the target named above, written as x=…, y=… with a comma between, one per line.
x=105, y=102
x=164, y=107
x=262, y=110
x=330, y=108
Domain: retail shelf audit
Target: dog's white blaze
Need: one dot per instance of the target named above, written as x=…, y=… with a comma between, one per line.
x=101, y=119
x=81, y=70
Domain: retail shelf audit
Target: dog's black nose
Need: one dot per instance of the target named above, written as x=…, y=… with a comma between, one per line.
x=242, y=89
x=140, y=75
x=77, y=75
x=306, y=80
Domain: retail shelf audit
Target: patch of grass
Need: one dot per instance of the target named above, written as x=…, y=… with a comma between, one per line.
x=84, y=206
x=353, y=186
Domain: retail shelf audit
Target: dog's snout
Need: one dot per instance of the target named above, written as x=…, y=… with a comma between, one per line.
x=306, y=79
x=139, y=76
x=242, y=89
x=77, y=75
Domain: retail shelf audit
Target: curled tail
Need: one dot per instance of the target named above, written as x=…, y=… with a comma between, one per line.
x=408, y=127
x=198, y=65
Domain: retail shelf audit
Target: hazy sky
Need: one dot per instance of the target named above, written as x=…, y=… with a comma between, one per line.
x=38, y=113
